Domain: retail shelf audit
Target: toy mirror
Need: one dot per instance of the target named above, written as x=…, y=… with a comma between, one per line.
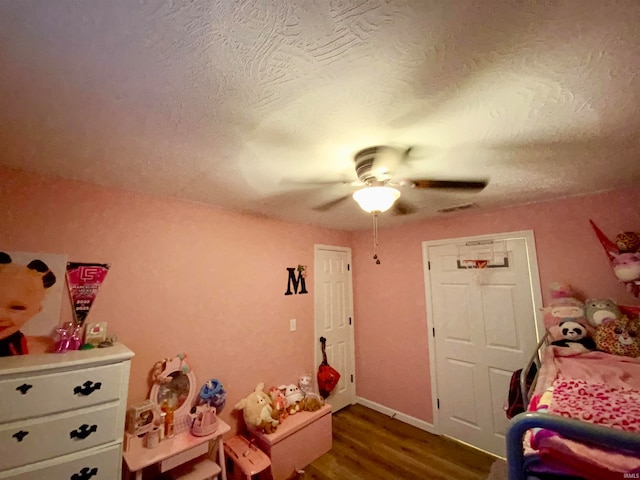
x=174, y=384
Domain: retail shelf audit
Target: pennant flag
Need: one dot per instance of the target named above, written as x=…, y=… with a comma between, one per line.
x=83, y=280
x=610, y=248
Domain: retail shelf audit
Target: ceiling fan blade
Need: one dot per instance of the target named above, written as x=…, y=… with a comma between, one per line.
x=447, y=184
x=297, y=182
x=330, y=204
x=402, y=208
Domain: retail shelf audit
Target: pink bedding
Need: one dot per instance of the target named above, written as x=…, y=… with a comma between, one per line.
x=595, y=387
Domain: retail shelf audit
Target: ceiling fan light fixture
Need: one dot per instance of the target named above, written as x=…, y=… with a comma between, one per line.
x=376, y=198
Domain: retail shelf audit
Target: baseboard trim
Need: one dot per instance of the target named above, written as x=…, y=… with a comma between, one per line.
x=415, y=422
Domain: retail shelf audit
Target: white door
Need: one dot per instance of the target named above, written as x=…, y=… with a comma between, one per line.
x=334, y=319
x=484, y=326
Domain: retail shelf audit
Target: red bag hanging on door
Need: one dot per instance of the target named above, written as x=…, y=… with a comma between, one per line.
x=328, y=377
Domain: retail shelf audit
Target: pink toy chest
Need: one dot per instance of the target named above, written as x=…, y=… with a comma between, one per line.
x=299, y=440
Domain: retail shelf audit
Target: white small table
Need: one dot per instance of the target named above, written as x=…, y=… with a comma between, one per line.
x=175, y=451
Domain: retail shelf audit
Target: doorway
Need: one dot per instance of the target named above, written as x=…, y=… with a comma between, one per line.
x=334, y=319
x=483, y=302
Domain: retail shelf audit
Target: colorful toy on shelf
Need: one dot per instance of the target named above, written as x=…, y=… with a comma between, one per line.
x=213, y=393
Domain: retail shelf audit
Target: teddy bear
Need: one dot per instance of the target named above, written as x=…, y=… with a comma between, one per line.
x=293, y=395
x=628, y=242
x=619, y=336
x=279, y=402
x=304, y=383
x=257, y=410
x=311, y=401
x=597, y=310
x=575, y=336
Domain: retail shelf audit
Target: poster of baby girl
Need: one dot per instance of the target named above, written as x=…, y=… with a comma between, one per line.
x=31, y=287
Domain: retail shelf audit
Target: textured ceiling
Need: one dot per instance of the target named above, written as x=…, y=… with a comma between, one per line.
x=220, y=101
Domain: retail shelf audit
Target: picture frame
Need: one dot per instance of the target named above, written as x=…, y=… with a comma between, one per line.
x=140, y=418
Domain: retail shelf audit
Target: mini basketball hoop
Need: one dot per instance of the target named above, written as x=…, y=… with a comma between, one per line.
x=478, y=268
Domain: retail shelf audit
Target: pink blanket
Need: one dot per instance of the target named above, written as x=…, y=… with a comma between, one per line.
x=595, y=387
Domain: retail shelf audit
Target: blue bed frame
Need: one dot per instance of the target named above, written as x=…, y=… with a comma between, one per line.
x=569, y=428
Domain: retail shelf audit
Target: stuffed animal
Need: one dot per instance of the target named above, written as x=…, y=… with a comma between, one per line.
x=23, y=292
x=279, y=402
x=628, y=242
x=626, y=266
x=597, y=310
x=311, y=403
x=563, y=307
x=620, y=336
x=257, y=410
x=293, y=395
x=575, y=335
x=304, y=383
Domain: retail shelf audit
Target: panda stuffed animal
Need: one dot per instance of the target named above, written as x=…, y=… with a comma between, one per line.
x=575, y=335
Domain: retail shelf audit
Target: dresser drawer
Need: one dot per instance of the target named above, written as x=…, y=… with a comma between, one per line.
x=97, y=464
x=36, y=395
x=38, y=439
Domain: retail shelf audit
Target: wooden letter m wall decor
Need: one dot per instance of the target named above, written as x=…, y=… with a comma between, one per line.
x=296, y=281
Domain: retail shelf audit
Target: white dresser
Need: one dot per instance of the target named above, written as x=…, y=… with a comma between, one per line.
x=62, y=415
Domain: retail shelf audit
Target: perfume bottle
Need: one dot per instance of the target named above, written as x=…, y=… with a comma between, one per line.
x=168, y=407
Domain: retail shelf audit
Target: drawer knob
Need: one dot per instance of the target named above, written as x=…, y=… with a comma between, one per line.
x=87, y=388
x=85, y=474
x=24, y=388
x=83, y=431
x=20, y=435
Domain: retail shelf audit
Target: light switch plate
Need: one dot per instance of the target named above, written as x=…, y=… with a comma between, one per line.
x=292, y=325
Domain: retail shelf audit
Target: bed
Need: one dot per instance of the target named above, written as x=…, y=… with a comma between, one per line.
x=583, y=418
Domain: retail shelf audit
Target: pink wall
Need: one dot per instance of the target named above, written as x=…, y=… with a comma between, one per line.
x=392, y=359
x=183, y=277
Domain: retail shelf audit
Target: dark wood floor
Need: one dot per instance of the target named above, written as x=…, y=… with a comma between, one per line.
x=368, y=445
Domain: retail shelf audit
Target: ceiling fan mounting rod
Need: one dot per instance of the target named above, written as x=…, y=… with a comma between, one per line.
x=375, y=237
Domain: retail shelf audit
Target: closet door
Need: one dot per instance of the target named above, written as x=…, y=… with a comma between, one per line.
x=484, y=328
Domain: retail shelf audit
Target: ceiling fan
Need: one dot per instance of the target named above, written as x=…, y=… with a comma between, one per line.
x=376, y=169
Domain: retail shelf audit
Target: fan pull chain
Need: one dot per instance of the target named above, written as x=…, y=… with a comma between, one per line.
x=375, y=238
